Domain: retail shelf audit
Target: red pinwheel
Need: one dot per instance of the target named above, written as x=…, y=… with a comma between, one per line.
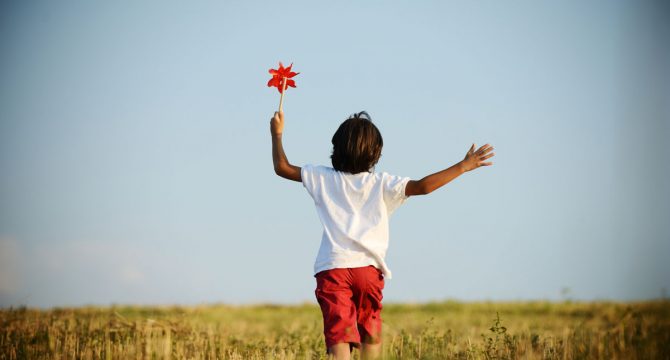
x=281, y=79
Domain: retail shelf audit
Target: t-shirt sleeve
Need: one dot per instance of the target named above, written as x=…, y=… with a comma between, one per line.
x=394, y=191
x=310, y=175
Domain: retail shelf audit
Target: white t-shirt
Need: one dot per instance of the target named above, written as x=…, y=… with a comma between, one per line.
x=354, y=210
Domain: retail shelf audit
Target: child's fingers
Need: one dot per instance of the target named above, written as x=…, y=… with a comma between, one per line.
x=486, y=163
x=277, y=117
x=484, y=149
x=486, y=156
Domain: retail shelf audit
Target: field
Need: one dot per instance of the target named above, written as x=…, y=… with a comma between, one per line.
x=446, y=330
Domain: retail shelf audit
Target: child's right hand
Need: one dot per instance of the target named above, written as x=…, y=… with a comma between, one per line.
x=277, y=123
x=474, y=159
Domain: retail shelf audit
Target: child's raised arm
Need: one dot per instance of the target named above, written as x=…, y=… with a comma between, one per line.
x=473, y=159
x=282, y=167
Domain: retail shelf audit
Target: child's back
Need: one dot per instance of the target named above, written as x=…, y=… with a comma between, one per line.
x=354, y=210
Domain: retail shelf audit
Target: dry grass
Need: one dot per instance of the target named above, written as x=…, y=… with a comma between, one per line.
x=447, y=330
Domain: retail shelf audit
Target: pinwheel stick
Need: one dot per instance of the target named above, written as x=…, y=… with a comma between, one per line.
x=281, y=98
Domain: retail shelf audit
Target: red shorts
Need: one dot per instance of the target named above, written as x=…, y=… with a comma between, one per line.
x=351, y=304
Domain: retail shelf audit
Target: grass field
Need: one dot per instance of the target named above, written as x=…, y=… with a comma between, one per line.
x=446, y=330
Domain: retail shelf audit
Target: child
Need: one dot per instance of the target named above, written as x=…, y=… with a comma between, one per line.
x=354, y=204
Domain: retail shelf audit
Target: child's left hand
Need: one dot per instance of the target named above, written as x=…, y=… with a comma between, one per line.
x=277, y=123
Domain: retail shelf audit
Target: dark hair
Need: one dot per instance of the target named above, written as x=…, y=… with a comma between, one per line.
x=357, y=144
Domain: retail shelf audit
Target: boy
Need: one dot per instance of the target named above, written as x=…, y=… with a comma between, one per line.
x=354, y=205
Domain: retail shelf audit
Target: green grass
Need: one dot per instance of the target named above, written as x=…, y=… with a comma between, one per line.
x=444, y=330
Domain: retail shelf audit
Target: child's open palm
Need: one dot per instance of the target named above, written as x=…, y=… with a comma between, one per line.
x=475, y=158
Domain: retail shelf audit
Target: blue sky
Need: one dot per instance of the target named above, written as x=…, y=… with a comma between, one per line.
x=135, y=162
